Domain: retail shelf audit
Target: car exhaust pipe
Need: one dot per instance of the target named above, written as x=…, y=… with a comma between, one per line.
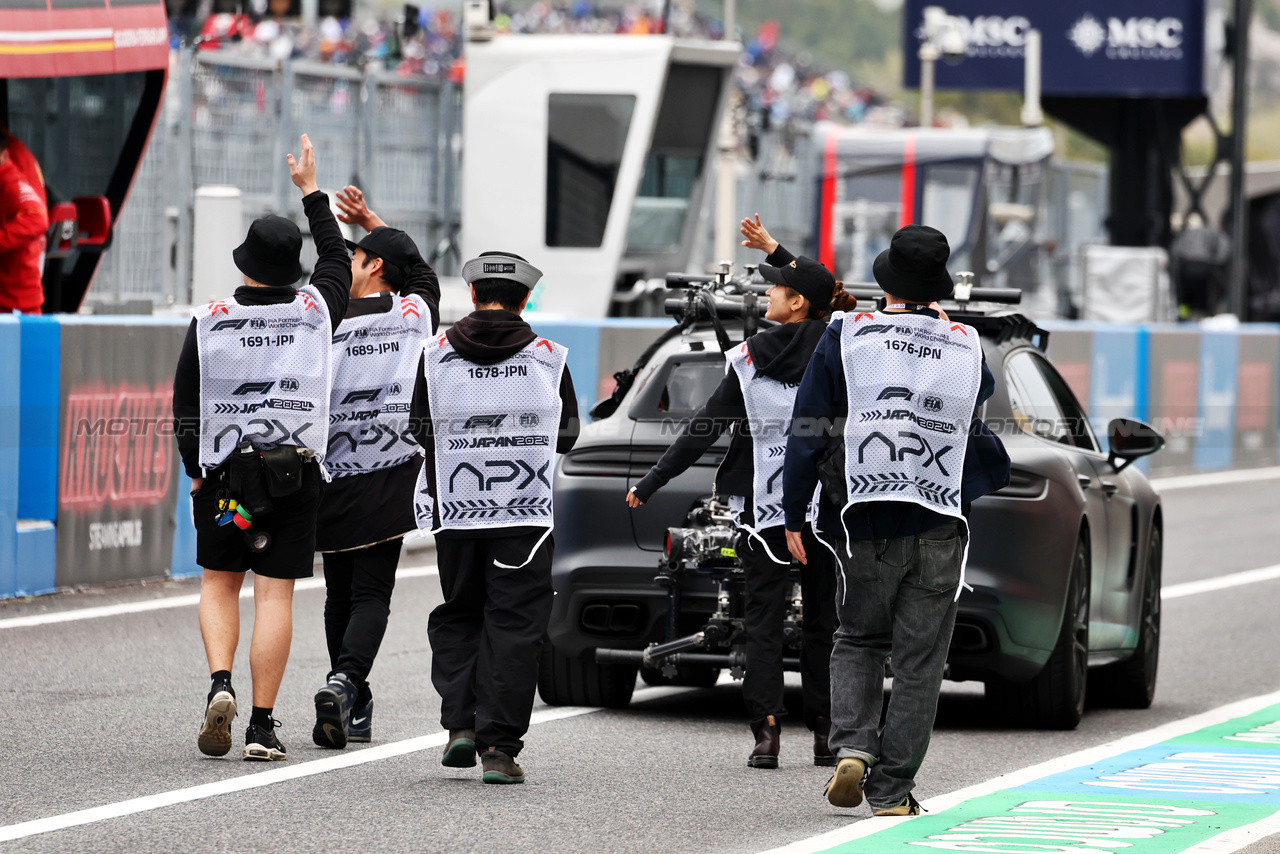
x=646, y=658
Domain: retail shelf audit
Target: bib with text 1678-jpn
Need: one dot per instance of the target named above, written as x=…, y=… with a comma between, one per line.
x=375, y=362
x=264, y=375
x=495, y=429
x=912, y=383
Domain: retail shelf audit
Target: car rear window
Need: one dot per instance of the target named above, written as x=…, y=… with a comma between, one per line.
x=680, y=389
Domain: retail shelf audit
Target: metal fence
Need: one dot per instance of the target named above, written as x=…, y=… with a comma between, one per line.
x=230, y=119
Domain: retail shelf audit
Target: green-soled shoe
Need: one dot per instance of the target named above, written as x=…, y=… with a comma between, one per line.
x=500, y=768
x=460, y=752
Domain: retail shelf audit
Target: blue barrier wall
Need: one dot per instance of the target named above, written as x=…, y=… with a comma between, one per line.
x=10, y=417
x=1214, y=393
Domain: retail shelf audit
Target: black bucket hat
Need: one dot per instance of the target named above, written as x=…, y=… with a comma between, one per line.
x=271, y=251
x=806, y=277
x=914, y=267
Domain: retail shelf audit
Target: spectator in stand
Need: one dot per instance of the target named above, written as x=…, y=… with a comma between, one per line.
x=24, y=221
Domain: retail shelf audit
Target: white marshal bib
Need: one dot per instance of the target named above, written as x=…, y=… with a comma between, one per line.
x=912, y=382
x=264, y=374
x=495, y=429
x=375, y=363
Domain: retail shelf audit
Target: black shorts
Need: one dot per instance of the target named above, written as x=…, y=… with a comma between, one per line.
x=291, y=524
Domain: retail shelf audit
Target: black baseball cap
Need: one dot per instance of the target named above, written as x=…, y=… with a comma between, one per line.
x=270, y=252
x=806, y=277
x=391, y=245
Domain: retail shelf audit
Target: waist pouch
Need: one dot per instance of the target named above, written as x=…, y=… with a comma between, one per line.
x=248, y=484
x=282, y=470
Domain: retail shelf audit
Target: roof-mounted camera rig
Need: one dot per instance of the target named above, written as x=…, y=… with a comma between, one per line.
x=712, y=299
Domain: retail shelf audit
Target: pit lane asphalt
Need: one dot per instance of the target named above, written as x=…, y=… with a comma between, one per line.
x=103, y=710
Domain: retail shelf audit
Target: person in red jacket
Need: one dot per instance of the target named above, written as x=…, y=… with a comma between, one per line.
x=24, y=220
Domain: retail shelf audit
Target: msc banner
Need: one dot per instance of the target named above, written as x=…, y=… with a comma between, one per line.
x=1131, y=48
x=118, y=461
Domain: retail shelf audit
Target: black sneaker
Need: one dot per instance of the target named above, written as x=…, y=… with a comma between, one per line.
x=261, y=744
x=219, y=709
x=333, y=711
x=361, y=729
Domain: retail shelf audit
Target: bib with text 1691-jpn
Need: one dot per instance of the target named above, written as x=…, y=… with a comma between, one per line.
x=375, y=363
x=912, y=383
x=495, y=429
x=264, y=375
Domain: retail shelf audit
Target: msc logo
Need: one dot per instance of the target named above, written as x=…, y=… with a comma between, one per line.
x=1132, y=38
x=368, y=395
x=493, y=422
x=933, y=404
x=529, y=419
x=896, y=393
x=989, y=36
x=288, y=384
x=229, y=324
x=254, y=388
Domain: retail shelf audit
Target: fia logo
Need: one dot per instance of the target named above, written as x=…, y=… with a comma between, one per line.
x=529, y=419
x=289, y=384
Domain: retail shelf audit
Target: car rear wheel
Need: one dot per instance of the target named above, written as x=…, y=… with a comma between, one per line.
x=1054, y=699
x=1131, y=684
x=687, y=675
x=565, y=680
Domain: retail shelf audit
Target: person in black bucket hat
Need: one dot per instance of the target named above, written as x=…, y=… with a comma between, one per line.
x=270, y=252
x=264, y=349
x=893, y=504
x=913, y=270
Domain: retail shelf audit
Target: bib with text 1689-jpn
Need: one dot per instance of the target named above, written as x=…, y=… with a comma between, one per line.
x=495, y=429
x=264, y=375
x=375, y=363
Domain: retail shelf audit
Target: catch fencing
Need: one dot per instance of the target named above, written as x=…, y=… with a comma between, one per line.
x=230, y=119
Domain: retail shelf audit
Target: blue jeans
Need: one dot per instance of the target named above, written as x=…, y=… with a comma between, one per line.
x=894, y=597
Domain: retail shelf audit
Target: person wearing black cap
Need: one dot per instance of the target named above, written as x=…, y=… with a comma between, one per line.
x=907, y=457
x=250, y=405
x=367, y=508
x=755, y=397
x=492, y=406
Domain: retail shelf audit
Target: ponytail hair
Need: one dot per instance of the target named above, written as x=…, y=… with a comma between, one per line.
x=841, y=300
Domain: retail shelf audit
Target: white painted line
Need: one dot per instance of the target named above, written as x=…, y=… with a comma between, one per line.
x=1012, y=780
x=1222, y=582
x=283, y=774
x=1214, y=478
x=1240, y=837
x=189, y=599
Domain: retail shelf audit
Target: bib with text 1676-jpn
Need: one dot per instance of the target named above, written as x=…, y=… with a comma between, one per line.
x=912, y=383
x=264, y=375
x=495, y=429
x=375, y=363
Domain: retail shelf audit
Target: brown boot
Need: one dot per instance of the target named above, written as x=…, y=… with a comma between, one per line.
x=461, y=750
x=765, y=754
x=500, y=768
x=822, y=755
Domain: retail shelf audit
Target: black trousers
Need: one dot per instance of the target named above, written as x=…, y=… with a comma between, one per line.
x=486, y=635
x=357, y=602
x=768, y=598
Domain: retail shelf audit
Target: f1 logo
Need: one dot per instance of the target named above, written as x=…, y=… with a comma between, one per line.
x=254, y=388
x=364, y=395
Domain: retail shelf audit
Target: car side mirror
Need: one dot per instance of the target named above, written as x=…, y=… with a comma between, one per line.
x=1131, y=439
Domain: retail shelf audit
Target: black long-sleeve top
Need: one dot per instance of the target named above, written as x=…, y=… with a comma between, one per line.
x=331, y=277
x=486, y=337
x=363, y=509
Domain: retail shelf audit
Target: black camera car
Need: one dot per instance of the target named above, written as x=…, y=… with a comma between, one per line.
x=1075, y=520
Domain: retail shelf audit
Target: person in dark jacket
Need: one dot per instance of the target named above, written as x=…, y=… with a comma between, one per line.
x=367, y=508
x=901, y=536
x=492, y=405
x=234, y=365
x=758, y=391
